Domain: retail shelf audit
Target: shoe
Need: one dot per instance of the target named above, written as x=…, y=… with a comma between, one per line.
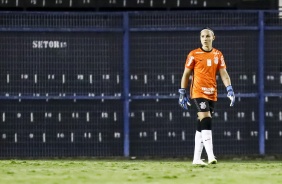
x=198, y=162
x=212, y=161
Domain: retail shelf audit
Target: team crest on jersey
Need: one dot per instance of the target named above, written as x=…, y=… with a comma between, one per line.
x=203, y=105
x=216, y=60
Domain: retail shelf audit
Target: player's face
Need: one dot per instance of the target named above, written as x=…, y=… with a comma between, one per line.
x=207, y=38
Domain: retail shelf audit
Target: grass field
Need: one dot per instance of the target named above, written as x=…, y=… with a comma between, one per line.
x=138, y=171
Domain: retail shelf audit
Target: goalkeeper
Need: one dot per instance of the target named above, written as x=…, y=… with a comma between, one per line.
x=203, y=64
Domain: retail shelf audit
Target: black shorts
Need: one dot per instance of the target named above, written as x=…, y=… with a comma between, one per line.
x=204, y=105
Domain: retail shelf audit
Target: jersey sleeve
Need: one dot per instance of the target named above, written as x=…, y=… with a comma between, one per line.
x=221, y=62
x=190, y=62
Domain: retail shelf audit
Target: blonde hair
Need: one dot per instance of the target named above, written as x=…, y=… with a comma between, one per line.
x=207, y=28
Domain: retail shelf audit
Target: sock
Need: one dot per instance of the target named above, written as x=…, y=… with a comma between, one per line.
x=207, y=140
x=207, y=136
x=198, y=146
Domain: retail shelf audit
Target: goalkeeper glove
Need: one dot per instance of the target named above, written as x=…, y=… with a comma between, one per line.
x=183, y=99
x=230, y=95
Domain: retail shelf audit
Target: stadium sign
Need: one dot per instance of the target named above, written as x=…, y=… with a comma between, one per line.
x=44, y=44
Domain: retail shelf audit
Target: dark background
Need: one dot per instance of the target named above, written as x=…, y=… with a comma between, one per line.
x=126, y=5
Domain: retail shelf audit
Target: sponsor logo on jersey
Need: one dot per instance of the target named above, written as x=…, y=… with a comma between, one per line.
x=208, y=91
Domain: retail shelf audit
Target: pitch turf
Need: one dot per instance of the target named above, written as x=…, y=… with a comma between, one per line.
x=137, y=171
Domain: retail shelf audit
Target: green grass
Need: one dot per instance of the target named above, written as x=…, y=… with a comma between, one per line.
x=138, y=171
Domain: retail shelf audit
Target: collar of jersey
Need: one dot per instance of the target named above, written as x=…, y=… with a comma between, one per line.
x=205, y=50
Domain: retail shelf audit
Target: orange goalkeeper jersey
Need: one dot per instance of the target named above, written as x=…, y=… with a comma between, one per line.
x=205, y=66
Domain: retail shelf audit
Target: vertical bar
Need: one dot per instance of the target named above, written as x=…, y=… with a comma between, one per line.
x=280, y=7
x=126, y=82
x=261, y=84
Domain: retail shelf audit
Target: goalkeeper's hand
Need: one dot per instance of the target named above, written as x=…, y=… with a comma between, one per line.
x=183, y=101
x=230, y=95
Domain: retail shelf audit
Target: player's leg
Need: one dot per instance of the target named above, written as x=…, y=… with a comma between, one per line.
x=204, y=113
x=207, y=139
x=212, y=160
x=198, y=146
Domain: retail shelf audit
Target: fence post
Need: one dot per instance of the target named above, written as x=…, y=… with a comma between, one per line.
x=261, y=84
x=126, y=83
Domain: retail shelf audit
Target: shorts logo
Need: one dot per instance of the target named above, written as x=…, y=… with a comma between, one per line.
x=203, y=105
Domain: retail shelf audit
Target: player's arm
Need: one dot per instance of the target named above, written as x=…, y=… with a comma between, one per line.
x=227, y=82
x=225, y=77
x=185, y=78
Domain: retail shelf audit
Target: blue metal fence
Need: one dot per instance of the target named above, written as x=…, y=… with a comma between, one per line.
x=128, y=65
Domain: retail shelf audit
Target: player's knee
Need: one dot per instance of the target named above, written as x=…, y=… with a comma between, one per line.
x=206, y=123
x=202, y=115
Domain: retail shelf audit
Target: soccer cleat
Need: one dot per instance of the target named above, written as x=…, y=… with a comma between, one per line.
x=212, y=161
x=198, y=162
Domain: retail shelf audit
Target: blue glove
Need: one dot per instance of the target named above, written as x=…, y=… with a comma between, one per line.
x=183, y=99
x=230, y=95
